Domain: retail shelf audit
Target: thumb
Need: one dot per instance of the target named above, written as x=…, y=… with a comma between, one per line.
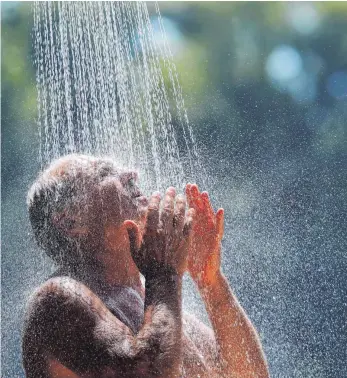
x=134, y=235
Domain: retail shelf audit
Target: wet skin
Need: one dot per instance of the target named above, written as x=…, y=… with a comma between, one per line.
x=71, y=332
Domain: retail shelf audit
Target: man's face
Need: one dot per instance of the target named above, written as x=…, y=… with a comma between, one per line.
x=105, y=195
x=115, y=194
x=115, y=197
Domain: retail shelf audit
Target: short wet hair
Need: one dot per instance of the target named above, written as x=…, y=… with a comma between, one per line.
x=59, y=187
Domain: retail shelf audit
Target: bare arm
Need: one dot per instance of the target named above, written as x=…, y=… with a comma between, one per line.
x=239, y=350
x=239, y=345
x=68, y=322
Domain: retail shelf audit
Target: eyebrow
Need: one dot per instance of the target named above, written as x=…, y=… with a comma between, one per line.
x=108, y=166
x=125, y=176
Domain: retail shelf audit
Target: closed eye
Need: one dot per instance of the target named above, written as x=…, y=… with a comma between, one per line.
x=106, y=170
x=131, y=186
x=125, y=176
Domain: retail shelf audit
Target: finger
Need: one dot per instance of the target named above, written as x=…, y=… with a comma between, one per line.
x=167, y=214
x=196, y=198
x=143, y=208
x=207, y=203
x=134, y=235
x=189, y=195
x=153, y=212
x=189, y=220
x=143, y=213
x=208, y=210
x=180, y=210
x=220, y=223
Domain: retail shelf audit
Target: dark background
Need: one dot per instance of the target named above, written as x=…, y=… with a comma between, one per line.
x=265, y=87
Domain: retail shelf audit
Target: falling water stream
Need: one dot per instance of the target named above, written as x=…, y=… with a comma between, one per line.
x=106, y=87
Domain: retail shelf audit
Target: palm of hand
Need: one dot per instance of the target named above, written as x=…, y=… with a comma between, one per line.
x=166, y=236
x=159, y=249
x=205, y=254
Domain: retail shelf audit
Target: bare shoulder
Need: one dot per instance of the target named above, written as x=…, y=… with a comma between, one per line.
x=48, y=293
x=68, y=321
x=58, y=286
x=62, y=307
x=63, y=298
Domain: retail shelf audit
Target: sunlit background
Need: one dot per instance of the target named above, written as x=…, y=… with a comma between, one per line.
x=265, y=87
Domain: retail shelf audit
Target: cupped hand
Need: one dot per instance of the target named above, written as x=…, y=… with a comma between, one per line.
x=166, y=237
x=205, y=252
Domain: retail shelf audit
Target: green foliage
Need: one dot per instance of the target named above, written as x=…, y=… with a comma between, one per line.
x=18, y=91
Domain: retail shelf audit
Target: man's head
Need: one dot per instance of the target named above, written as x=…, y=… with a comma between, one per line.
x=75, y=199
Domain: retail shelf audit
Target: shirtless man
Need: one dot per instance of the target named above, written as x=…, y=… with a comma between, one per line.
x=93, y=318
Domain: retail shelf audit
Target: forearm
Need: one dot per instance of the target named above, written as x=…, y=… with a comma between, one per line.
x=160, y=336
x=164, y=286
x=239, y=346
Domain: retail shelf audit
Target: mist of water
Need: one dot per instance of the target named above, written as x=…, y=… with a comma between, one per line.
x=106, y=87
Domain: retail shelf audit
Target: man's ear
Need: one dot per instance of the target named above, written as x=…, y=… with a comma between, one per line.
x=71, y=225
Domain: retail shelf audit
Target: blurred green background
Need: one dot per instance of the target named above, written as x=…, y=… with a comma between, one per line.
x=265, y=86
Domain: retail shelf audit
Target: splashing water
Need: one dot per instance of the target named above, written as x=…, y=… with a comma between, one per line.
x=102, y=90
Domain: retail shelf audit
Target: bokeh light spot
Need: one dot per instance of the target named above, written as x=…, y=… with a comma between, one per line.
x=303, y=17
x=283, y=64
x=174, y=37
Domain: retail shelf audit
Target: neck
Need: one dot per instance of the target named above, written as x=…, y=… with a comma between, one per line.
x=109, y=275
x=111, y=264
x=118, y=265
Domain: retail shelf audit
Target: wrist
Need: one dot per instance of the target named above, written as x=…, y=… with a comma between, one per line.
x=164, y=286
x=164, y=276
x=161, y=271
x=209, y=281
